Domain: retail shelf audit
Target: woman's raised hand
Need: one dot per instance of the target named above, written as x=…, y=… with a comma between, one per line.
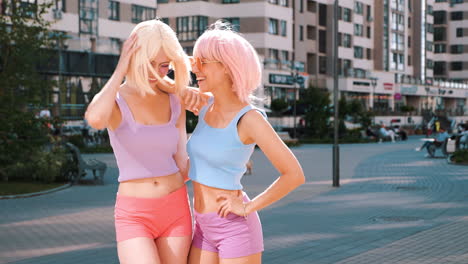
x=129, y=47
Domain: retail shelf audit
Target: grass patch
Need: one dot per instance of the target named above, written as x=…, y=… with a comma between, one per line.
x=13, y=188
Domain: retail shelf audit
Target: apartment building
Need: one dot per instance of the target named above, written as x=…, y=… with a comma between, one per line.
x=391, y=52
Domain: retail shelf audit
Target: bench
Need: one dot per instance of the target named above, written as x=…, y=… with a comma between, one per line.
x=97, y=167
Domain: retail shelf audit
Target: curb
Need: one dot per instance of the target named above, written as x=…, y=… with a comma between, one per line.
x=27, y=195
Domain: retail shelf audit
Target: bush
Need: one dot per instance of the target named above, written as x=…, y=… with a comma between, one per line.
x=460, y=156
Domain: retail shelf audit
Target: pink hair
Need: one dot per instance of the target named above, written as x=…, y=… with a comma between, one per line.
x=237, y=55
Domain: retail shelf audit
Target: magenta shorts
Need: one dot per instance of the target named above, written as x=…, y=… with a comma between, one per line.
x=230, y=237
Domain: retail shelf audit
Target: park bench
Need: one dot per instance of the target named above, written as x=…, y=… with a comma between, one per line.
x=97, y=167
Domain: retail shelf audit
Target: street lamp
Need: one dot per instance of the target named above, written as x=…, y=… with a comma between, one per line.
x=427, y=97
x=336, y=147
x=373, y=83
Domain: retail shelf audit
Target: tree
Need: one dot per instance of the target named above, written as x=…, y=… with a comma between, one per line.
x=25, y=37
x=317, y=111
x=25, y=45
x=279, y=105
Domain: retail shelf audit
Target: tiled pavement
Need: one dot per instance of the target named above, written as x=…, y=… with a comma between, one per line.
x=394, y=206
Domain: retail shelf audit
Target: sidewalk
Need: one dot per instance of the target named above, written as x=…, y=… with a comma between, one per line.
x=393, y=206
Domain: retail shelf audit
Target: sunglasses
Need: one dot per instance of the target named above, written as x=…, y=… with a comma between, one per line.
x=199, y=62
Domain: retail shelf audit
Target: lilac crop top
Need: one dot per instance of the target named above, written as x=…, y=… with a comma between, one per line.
x=144, y=151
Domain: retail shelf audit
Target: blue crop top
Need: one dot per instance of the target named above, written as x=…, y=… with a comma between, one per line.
x=217, y=155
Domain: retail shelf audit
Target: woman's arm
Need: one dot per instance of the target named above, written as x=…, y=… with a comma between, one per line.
x=253, y=128
x=103, y=111
x=181, y=156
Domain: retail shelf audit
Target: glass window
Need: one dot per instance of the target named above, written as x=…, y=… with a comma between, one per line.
x=235, y=22
x=284, y=28
x=114, y=10
x=273, y=26
x=358, y=52
x=301, y=33
x=347, y=14
x=142, y=13
x=230, y=1
x=358, y=8
x=358, y=30
x=190, y=27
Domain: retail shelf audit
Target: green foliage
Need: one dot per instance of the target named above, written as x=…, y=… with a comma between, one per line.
x=460, y=156
x=279, y=105
x=317, y=112
x=406, y=108
x=24, y=35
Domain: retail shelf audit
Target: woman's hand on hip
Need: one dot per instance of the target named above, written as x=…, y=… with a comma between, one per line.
x=230, y=203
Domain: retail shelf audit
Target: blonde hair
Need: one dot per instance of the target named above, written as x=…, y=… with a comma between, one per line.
x=154, y=35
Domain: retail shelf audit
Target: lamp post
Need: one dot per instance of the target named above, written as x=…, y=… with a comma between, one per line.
x=336, y=147
x=427, y=97
x=373, y=83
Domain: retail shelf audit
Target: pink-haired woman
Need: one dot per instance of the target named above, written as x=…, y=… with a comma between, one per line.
x=146, y=125
x=227, y=226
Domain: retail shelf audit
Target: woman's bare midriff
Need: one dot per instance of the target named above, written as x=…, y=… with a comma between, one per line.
x=204, y=197
x=153, y=187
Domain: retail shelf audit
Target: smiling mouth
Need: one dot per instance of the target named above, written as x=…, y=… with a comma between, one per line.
x=199, y=79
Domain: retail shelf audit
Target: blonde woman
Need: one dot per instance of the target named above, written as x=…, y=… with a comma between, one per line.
x=146, y=125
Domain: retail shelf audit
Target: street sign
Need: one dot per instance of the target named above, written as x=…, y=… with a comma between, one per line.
x=281, y=79
x=300, y=80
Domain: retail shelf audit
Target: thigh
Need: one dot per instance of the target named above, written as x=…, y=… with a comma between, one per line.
x=199, y=256
x=173, y=250
x=252, y=259
x=140, y=250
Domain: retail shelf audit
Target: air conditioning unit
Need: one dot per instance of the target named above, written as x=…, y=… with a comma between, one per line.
x=57, y=13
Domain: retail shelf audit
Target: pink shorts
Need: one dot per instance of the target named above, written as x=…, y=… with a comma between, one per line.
x=230, y=237
x=153, y=217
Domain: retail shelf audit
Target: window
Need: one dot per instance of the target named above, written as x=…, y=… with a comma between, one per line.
x=235, y=22
x=114, y=10
x=190, y=27
x=430, y=10
x=409, y=41
x=440, y=48
x=409, y=60
x=88, y=17
x=429, y=45
x=456, y=49
x=165, y=20
x=368, y=32
x=358, y=8
x=358, y=52
x=440, y=34
x=301, y=33
x=430, y=28
x=284, y=28
x=345, y=40
x=230, y=1
x=323, y=64
x=440, y=68
x=301, y=6
x=456, y=66
x=142, y=13
x=311, y=32
x=283, y=3
x=284, y=57
x=322, y=41
x=163, y=1
x=430, y=64
x=275, y=2
x=456, y=15
x=273, y=26
x=273, y=55
x=369, y=13
x=311, y=6
x=409, y=22
x=369, y=54
x=347, y=14
x=459, y=32
x=440, y=17
x=358, y=30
